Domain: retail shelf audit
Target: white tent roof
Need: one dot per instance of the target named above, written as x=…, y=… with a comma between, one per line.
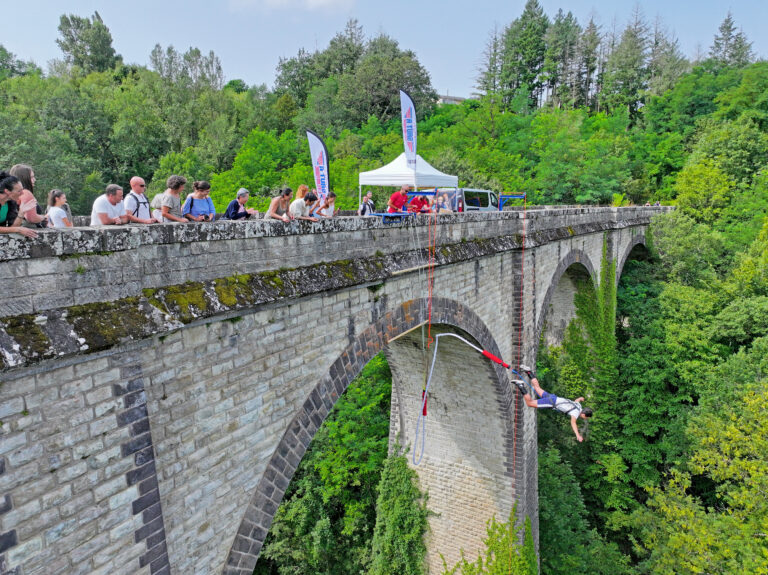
x=397, y=173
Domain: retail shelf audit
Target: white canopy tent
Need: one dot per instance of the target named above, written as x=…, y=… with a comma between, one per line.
x=397, y=173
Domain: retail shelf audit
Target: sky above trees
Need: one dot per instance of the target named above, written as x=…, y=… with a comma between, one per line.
x=250, y=36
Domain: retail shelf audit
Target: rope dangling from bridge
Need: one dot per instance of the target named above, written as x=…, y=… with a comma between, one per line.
x=421, y=420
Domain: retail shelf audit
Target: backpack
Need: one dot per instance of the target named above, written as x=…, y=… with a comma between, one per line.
x=138, y=202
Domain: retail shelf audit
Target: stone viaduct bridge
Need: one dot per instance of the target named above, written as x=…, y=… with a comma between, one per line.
x=160, y=384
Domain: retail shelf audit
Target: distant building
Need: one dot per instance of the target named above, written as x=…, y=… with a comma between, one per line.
x=449, y=100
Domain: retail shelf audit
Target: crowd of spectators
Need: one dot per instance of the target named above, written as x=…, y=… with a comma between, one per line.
x=20, y=212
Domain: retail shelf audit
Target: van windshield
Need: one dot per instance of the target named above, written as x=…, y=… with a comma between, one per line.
x=476, y=199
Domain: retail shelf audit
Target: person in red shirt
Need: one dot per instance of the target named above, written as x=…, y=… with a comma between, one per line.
x=398, y=200
x=419, y=204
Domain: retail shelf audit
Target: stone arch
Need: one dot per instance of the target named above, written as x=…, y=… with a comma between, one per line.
x=264, y=502
x=637, y=240
x=576, y=258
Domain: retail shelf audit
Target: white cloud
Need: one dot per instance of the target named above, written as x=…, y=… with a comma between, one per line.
x=309, y=5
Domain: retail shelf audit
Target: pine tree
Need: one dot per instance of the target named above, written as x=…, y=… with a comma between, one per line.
x=730, y=47
x=489, y=78
x=524, y=49
x=626, y=75
x=588, y=60
x=559, y=68
x=666, y=62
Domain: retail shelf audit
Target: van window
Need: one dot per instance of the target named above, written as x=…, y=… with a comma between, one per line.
x=475, y=199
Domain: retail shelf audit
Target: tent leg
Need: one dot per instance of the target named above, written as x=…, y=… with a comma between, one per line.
x=359, y=196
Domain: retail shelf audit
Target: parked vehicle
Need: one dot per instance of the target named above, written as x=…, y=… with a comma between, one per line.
x=471, y=199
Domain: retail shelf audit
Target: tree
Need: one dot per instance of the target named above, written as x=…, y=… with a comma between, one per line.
x=489, y=78
x=343, y=52
x=666, y=62
x=560, y=68
x=373, y=88
x=730, y=47
x=626, y=74
x=87, y=43
x=524, y=51
x=296, y=76
x=11, y=66
x=588, y=59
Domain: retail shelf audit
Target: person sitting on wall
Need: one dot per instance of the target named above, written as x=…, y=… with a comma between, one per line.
x=327, y=208
x=137, y=204
x=398, y=200
x=419, y=205
x=236, y=209
x=166, y=207
x=279, y=206
x=569, y=407
x=300, y=207
x=199, y=207
x=10, y=221
x=108, y=208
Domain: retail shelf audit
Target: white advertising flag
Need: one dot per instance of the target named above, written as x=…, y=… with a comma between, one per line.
x=319, y=154
x=408, y=113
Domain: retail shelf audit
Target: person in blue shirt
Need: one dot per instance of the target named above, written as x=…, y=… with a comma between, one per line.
x=236, y=209
x=199, y=207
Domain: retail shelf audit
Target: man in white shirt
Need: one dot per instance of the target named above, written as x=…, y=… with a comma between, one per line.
x=108, y=209
x=299, y=208
x=137, y=204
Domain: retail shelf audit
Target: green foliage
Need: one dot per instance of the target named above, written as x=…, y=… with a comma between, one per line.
x=567, y=543
x=503, y=554
x=326, y=521
x=87, y=43
x=401, y=521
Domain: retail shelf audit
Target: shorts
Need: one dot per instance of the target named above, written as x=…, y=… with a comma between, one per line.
x=546, y=400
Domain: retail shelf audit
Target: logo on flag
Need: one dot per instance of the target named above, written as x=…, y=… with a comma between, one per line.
x=319, y=154
x=408, y=115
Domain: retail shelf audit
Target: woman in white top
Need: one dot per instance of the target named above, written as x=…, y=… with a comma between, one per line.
x=328, y=208
x=57, y=214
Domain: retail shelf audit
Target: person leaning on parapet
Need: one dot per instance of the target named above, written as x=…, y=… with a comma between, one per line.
x=398, y=200
x=570, y=407
x=236, y=209
x=302, y=191
x=166, y=207
x=327, y=208
x=137, y=204
x=300, y=207
x=278, y=207
x=367, y=208
x=10, y=221
x=57, y=213
x=199, y=206
x=108, y=209
x=29, y=209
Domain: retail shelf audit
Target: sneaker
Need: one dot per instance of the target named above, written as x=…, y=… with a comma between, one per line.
x=520, y=385
x=526, y=369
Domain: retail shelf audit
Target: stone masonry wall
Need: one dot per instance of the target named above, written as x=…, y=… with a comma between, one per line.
x=166, y=445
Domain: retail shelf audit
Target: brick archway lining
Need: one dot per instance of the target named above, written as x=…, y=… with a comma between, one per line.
x=263, y=505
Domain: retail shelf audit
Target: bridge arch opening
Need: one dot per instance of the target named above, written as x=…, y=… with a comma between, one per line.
x=468, y=467
x=575, y=272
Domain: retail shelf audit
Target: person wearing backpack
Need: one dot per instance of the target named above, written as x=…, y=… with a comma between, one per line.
x=199, y=206
x=136, y=203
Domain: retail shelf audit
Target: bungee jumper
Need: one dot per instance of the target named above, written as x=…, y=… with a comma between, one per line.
x=546, y=400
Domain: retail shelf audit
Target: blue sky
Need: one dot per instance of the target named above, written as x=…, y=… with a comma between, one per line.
x=249, y=36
